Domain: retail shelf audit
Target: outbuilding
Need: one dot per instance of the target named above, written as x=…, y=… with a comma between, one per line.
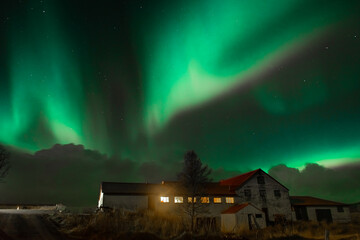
x=316, y=209
x=242, y=216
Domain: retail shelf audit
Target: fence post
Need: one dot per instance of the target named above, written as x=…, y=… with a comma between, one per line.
x=326, y=234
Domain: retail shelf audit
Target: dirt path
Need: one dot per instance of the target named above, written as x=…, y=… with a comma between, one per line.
x=27, y=225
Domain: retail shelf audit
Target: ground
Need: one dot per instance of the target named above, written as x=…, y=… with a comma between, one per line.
x=115, y=225
x=28, y=225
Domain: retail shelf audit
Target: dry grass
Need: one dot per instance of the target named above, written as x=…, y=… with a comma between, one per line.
x=119, y=224
x=312, y=230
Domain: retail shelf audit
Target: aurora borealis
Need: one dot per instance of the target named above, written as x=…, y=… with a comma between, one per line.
x=246, y=84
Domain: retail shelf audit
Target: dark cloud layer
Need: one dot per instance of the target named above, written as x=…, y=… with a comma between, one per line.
x=338, y=184
x=71, y=175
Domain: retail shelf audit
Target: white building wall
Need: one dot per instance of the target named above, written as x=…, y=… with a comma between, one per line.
x=242, y=217
x=341, y=217
x=128, y=202
x=275, y=205
x=238, y=221
x=101, y=200
x=228, y=223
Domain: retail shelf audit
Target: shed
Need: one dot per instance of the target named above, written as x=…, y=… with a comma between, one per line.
x=242, y=216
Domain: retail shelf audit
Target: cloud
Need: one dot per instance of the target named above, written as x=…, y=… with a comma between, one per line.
x=67, y=174
x=338, y=184
x=71, y=174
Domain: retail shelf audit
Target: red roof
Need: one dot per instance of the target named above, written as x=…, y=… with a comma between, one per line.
x=312, y=201
x=238, y=180
x=241, y=179
x=235, y=208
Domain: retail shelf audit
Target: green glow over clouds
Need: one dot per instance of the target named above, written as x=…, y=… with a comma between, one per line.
x=250, y=78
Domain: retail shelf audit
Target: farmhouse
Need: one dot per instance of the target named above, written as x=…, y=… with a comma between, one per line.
x=253, y=199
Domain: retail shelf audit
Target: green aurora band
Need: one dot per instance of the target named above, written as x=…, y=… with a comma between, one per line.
x=188, y=53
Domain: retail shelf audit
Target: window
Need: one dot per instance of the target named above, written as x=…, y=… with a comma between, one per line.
x=164, y=199
x=178, y=199
x=260, y=180
x=205, y=200
x=247, y=193
x=340, y=209
x=229, y=200
x=190, y=199
x=263, y=195
x=277, y=193
x=258, y=215
x=217, y=199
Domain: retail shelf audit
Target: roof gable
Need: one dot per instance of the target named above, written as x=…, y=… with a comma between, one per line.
x=238, y=207
x=240, y=180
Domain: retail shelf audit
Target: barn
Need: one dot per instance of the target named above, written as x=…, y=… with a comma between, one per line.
x=315, y=209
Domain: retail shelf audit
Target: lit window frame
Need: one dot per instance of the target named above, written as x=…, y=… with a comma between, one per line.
x=229, y=200
x=191, y=198
x=178, y=199
x=164, y=199
x=217, y=200
x=205, y=200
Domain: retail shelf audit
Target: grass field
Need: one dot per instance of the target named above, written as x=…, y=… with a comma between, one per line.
x=120, y=224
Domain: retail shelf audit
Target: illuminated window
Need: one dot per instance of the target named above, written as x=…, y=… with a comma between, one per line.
x=229, y=200
x=190, y=199
x=217, y=200
x=205, y=200
x=164, y=199
x=178, y=200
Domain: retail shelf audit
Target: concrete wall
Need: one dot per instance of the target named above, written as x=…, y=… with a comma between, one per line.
x=127, y=202
x=238, y=221
x=340, y=217
x=275, y=205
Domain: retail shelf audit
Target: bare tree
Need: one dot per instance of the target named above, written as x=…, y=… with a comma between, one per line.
x=4, y=162
x=192, y=179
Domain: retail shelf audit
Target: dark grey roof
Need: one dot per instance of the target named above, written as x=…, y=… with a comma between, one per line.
x=130, y=188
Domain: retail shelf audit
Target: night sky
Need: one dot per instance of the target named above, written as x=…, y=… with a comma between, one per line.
x=134, y=84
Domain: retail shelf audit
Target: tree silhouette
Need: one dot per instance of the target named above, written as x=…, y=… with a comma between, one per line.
x=192, y=179
x=4, y=162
